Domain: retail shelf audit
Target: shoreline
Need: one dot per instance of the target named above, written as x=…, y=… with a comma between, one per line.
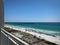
x=39, y=35
x=42, y=31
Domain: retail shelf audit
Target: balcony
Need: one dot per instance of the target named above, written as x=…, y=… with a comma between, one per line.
x=9, y=39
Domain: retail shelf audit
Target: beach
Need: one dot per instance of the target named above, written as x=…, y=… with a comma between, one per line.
x=48, y=38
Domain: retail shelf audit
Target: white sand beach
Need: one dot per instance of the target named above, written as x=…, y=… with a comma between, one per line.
x=49, y=38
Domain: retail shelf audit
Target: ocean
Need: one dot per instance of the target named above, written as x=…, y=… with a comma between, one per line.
x=52, y=28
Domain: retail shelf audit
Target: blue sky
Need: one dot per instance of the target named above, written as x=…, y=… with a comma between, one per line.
x=32, y=10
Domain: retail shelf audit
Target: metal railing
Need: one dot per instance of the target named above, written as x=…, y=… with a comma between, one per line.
x=13, y=38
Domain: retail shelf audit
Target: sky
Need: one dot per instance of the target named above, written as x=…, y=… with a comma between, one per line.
x=31, y=10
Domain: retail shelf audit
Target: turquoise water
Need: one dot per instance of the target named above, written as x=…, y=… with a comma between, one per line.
x=49, y=28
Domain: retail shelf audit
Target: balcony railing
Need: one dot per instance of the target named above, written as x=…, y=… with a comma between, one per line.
x=13, y=39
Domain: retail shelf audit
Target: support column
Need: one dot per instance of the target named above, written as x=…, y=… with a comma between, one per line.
x=1, y=16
